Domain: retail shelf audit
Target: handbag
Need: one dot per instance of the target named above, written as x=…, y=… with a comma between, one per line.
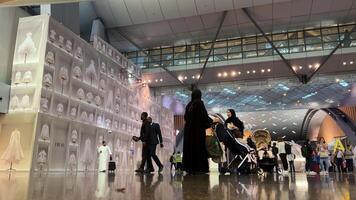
x=212, y=145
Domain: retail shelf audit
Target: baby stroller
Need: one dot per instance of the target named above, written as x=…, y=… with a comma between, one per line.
x=240, y=157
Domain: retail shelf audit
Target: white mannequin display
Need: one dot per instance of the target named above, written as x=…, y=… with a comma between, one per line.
x=25, y=102
x=104, y=153
x=69, y=45
x=14, y=103
x=47, y=80
x=73, y=112
x=90, y=97
x=44, y=104
x=17, y=78
x=42, y=157
x=45, y=132
x=50, y=57
x=109, y=100
x=77, y=72
x=27, y=77
x=87, y=154
x=97, y=100
x=52, y=35
x=79, y=53
x=74, y=136
x=91, y=71
x=80, y=93
x=13, y=152
x=27, y=48
x=91, y=117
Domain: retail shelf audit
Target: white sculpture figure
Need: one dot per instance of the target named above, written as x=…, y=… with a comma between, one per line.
x=117, y=108
x=123, y=126
x=42, y=158
x=112, y=72
x=110, y=52
x=109, y=101
x=52, y=35
x=74, y=136
x=98, y=46
x=63, y=75
x=103, y=48
x=50, y=57
x=77, y=72
x=44, y=104
x=72, y=161
x=97, y=100
x=103, y=67
x=79, y=53
x=80, y=93
x=69, y=45
x=14, y=102
x=44, y=132
x=27, y=77
x=91, y=72
x=47, y=80
x=17, y=78
x=102, y=84
x=25, y=102
x=27, y=48
x=108, y=123
x=90, y=97
x=91, y=117
x=61, y=41
x=84, y=116
x=104, y=153
x=115, y=124
x=13, y=152
x=118, y=58
x=60, y=108
x=99, y=120
x=118, y=92
x=73, y=112
x=87, y=156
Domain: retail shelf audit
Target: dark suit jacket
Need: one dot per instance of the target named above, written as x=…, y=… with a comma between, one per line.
x=155, y=136
x=145, y=131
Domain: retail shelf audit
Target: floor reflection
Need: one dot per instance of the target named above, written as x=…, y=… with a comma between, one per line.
x=125, y=185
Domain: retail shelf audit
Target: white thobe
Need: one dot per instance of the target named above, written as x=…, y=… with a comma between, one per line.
x=104, y=152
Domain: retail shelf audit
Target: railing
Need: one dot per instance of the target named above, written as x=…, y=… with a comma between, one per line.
x=307, y=40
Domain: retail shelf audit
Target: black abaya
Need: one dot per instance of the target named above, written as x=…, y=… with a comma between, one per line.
x=195, y=156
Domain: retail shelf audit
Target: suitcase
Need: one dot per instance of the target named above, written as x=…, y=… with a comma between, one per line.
x=112, y=166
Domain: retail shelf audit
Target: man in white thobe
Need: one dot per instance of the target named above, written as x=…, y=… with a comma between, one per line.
x=104, y=153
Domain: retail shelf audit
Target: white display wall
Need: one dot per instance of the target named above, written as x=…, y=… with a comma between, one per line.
x=78, y=95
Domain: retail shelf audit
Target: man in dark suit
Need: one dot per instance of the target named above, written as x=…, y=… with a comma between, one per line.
x=144, y=137
x=155, y=138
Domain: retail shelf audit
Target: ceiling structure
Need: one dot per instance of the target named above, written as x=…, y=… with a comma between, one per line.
x=34, y=2
x=152, y=23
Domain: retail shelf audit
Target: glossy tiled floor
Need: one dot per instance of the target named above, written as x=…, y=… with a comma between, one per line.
x=90, y=186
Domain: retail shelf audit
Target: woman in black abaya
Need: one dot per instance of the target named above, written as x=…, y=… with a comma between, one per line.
x=195, y=156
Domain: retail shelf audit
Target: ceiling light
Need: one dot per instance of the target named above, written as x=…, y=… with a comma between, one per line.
x=253, y=71
x=294, y=68
x=193, y=77
x=225, y=74
x=239, y=73
x=149, y=81
x=349, y=90
x=219, y=74
x=351, y=62
x=344, y=63
x=156, y=80
x=180, y=78
x=310, y=66
x=161, y=79
x=185, y=77
x=262, y=70
x=285, y=94
x=248, y=72
x=144, y=81
x=300, y=67
x=198, y=76
x=337, y=80
x=233, y=73
x=268, y=70
x=317, y=65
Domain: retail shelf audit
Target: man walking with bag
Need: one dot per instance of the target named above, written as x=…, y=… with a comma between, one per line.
x=155, y=137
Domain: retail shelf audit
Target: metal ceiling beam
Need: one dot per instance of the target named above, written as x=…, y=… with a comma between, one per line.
x=300, y=77
x=149, y=56
x=327, y=57
x=212, y=47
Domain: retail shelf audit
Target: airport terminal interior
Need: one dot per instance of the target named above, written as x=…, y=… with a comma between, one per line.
x=177, y=99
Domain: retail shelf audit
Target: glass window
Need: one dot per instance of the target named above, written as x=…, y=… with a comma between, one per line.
x=204, y=52
x=283, y=50
x=192, y=54
x=234, y=49
x=281, y=43
x=295, y=35
x=167, y=50
x=329, y=31
x=278, y=37
x=134, y=60
x=344, y=29
x=202, y=59
x=220, y=44
x=312, y=40
x=167, y=56
x=250, y=40
x=264, y=46
x=180, y=55
x=142, y=59
x=131, y=54
x=233, y=56
x=331, y=38
x=265, y=52
x=314, y=47
x=179, y=49
x=154, y=64
x=234, y=42
x=296, y=49
x=249, y=54
x=142, y=53
x=180, y=62
x=193, y=60
x=330, y=45
x=249, y=47
x=142, y=66
x=261, y=39
x=220, y=51
x=204, y=46
x=155, y=58
x=294, y=42
x=312, y=33
x=167, y=63
x=220, y=58
x=155, y=51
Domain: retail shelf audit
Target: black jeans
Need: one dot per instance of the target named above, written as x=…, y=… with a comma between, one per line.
x=146, y=157
x=291, y=166
x=350, y=165
x=339, y=162
x=152, y=152
x=283, y=157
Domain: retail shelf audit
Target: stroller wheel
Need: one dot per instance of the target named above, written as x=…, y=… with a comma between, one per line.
x=279, y=171
x=260, y=171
